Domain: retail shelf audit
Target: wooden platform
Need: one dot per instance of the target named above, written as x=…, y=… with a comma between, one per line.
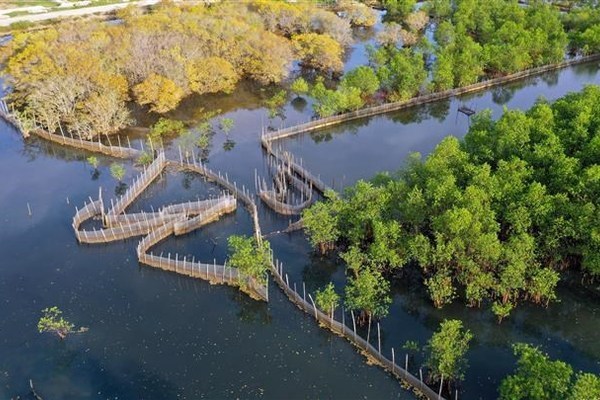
x=466, y=110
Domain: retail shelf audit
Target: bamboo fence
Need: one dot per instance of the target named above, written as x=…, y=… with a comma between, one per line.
x=374, y=354
x=6, y=115
x=99, y=147
x=139, y=185
x=226, y=204
x=190, y=207
x=89, y=210
x=214, y=273
x=296, y=168
x=242, y=194
x=280, y=207
x=125, y=231
x=427, y=98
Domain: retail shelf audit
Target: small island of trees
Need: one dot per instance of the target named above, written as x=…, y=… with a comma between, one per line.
x=493, y=219
x=53, y=322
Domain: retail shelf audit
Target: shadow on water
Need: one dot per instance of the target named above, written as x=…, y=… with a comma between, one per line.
x=318, y=272
x=250, y=311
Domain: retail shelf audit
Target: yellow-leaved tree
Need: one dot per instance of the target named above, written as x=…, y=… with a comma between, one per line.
x=158, y=92
x=319, y=51
x=211, y=75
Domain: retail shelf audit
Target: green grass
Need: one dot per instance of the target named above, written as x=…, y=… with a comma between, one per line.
x=50, y=4
x=17, y=13
x=28, y=3
x=96, y=3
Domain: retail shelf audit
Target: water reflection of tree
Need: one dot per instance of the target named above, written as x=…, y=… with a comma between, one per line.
x=438, y=110
x=362, y=34
x=551, y=78
x=120, y=189
x=188, y=179
x=299, y=104
x=248, y=95
x=504, y=93
x=34, y=147
x=252, y=311
x=317, y=273
x=351, y=127
x=228, y=144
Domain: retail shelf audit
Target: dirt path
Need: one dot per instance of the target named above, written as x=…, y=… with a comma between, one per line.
x=74, y=12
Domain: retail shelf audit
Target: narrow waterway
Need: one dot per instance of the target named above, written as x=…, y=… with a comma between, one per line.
x=156, y=335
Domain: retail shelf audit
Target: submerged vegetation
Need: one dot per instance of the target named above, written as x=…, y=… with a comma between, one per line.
x=53, y=322
x=492, y=219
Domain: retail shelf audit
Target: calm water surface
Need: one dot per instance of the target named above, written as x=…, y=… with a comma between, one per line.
x=152, y=335
x=156, y=335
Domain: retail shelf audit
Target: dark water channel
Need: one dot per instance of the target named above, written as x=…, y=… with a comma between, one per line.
x=156, y=335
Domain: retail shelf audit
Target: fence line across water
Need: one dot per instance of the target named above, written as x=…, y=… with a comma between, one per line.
x=241, y=194
x=173, y=219
x=424, y=99
x=340, y=328
x=139, y=185
x=214, y=273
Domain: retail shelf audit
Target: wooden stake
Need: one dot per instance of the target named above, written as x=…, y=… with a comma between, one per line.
x=353, y=323
x=315, y=307
x=303, y=291
x=379, y=338
x=393, y=360
x=369, y=331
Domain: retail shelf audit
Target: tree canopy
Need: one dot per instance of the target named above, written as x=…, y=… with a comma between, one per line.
x=82, y=74
x=250, y=257
x=327, y=299
x=537, y=377
x=52, y=321
x=493, y=219
x=446, y=351
x=368, y=292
